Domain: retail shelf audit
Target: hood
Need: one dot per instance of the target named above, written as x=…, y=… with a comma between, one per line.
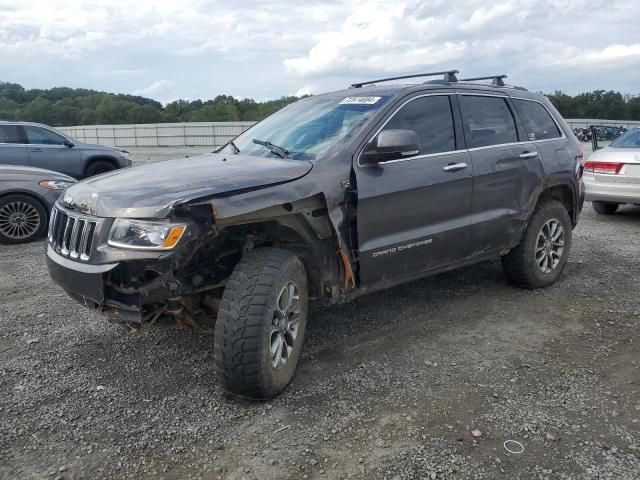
x=41, y=173
x=93, y=146
x=150, y=191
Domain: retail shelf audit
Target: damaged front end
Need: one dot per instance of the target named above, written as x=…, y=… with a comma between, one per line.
x=137, y=286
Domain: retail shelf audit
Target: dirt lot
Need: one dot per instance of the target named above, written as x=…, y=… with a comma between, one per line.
x=389, y=387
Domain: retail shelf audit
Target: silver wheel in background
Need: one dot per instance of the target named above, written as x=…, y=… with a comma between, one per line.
x=19, y=220
x=549, y=246
x=284, y=326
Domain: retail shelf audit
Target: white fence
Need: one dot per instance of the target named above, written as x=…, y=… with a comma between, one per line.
x=159, y=134
x=213, y=134
x=585, y=122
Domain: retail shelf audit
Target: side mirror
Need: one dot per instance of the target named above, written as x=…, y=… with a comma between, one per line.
x=68, y=143
x=391, y=145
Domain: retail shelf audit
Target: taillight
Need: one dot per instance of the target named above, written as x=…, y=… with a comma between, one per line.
x=603, y=167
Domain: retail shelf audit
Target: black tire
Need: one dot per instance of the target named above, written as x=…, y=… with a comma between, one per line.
x=605, y=208
x=99, y=166
x=25, y=210
x=521, y=265
x=244, y=327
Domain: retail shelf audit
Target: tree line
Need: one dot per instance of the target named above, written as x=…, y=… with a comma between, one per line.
x=62, y=106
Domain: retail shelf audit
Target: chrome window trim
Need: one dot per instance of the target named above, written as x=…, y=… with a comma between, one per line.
x=38, y=144
x=450, y=152
x=416, y=157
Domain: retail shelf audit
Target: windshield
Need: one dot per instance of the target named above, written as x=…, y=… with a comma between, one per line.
x=631, y=139
x=307, y=129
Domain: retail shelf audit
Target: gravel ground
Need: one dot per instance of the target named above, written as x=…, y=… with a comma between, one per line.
x=391, y=386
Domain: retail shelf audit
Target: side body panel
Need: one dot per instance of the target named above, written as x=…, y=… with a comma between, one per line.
x=508, y=178
x=413, y=215
x=59, y=158
x=14, y=154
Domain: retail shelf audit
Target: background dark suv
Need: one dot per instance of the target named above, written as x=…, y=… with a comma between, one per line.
x=36, y=145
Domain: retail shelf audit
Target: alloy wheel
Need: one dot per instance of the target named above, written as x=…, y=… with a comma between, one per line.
x=284, y=326
x=19, y=220
x=550, y=245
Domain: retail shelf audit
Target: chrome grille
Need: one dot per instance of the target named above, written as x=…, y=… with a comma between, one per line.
x=71, y=235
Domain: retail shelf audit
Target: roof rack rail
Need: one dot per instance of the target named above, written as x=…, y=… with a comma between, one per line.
x=449, y=76
x=496, y=80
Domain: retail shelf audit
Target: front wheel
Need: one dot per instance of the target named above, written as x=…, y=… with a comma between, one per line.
x=542, y=254
x=99, y=167
x=261, y=323
x=22, y=219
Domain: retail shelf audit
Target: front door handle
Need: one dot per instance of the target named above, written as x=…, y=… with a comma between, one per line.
x=454, y=167
x=528, y=154
x=36, y=149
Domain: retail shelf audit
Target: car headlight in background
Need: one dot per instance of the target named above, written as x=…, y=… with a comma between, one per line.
x=145, y=234
x=122, y=152
x=55, y=184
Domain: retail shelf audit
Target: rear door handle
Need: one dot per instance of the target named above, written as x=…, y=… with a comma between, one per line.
x=528, y=154
x=454, y=167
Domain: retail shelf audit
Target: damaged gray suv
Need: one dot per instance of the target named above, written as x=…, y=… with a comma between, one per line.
x=332, y=197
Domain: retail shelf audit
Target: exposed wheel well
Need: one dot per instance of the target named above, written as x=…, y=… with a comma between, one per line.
x=294, y=234
x=563, y=194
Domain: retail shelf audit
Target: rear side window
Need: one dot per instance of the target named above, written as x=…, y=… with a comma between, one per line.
x=431, y=118
x=42, y=136
x=10, y=134
x=487, y=121
x=536, y=120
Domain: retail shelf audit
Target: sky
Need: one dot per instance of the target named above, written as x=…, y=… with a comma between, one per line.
x=266, y=49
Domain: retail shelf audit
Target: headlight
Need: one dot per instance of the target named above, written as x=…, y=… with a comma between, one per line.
x=121, y=152
x=55, y=184
x=145, y=234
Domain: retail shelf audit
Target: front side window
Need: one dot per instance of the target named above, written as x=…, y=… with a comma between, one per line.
x=487, y=121
x=307, y=129
x=10, y=134
x=431, y=118
x=536, y=120
x=42, y=136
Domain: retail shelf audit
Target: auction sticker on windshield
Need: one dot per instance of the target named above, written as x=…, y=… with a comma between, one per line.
x=360, y=100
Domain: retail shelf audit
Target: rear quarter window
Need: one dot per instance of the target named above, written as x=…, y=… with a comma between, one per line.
x=10, y=134
x=536, y=120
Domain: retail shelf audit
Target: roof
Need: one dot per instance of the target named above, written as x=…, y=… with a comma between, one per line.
x=11, y=122
x=394, y=89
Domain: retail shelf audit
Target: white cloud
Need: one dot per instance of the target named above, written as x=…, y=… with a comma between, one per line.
x=265, y=48
x=306, y=90
x=158, y=87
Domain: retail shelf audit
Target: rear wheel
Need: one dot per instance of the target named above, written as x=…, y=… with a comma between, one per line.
x=605, y=208
x=261, y=323
x=542, y=254
x=98, y=167
x=22, y=219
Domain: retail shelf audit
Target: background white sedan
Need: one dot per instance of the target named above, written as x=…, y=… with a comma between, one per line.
x=612, y=174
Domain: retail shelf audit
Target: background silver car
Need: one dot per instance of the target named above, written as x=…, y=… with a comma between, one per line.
x=37, y=145
x=612, y=174
x=26, y=197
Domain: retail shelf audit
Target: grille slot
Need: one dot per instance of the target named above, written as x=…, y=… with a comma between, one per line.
x=71, y=235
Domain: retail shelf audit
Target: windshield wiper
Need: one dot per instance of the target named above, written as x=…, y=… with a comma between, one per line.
x=236, y=150
x=280, y=151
